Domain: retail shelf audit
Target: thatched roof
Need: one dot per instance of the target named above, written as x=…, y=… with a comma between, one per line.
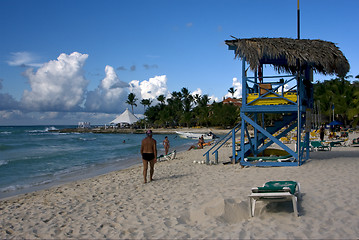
x=284, y=53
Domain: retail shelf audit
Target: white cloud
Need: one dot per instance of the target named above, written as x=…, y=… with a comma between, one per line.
x=17, y=117
x=58, y=93
x=110, y=96
x=59, y=85
x=286, y=88
x=111, y=81
x=49, y=115
x=237, y=85
x=150, y=89
x=213, y=98
x=197, y=91
x=10, y=114
x=23, y=59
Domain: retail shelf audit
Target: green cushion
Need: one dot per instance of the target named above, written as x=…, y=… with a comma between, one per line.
x=269, y=158
x=318, y=144
x=277, y=186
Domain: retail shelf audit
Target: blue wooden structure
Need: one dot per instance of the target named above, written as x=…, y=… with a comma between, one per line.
x=263, y=95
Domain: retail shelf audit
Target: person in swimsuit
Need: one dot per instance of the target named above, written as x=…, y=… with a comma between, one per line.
x=166, y=144
x=149, y=155
x=199, y=144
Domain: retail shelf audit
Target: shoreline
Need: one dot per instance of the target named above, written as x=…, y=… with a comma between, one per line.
x=79, y=175
x=191, y=200
x=103, y=169
x=111, y=130
x=83, y=174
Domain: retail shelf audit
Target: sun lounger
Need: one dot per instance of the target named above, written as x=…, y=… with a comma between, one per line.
x=167, y=157
x=336, y=143
x=319, y=146
x=302, y=145
x=286, y=158
x=275, y=191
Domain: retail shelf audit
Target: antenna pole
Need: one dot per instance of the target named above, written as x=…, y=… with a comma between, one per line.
x=298, y=20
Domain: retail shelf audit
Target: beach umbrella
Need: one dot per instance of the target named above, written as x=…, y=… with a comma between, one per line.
x=335, y=123
x=125, y=117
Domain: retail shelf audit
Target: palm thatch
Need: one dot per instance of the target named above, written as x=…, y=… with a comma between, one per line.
x=286, y=54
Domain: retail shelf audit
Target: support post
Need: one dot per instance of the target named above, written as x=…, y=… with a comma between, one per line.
x=307, y=145
x=243, y=127
x=299, y=117
x=244, y=104
x=256, y=135
x=234, y=146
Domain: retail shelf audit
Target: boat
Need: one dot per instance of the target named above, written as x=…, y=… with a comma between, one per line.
x=206, y=136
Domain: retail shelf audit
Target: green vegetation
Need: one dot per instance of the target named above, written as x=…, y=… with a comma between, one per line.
x=131, y=100
x=184, y=109
x=146, y=102
x=341, y=93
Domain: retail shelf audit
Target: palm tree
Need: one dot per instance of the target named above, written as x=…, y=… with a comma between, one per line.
x=232, y=91
x=353, y=113
x=197, y=98
x=187, y=99
x=201, y=111
x=175, y=107
x=146, y=102
x=131, y=100
x=343, y=94
x=161, y=98
x=204, y=101
x=224, y=114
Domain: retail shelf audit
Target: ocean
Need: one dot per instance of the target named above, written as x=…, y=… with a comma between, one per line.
x=34, y=157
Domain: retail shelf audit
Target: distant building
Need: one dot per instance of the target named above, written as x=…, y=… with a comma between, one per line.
x=126, y=118
x=84, y=125
x=234, y=101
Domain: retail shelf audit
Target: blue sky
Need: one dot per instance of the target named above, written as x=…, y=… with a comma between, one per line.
x=67, y=61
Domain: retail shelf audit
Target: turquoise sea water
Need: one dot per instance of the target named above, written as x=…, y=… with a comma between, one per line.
x=33, y=157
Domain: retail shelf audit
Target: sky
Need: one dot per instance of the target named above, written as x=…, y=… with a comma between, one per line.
x=69, y=61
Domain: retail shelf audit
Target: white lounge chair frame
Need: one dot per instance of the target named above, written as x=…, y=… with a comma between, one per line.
x=168, y=157
x=274, y=197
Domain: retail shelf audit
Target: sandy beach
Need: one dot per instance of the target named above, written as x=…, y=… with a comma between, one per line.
x=191, y=200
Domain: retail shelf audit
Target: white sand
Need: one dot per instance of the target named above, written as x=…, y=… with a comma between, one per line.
x=189, y=200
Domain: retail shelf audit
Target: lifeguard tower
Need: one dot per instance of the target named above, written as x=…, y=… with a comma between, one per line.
x=289, y=94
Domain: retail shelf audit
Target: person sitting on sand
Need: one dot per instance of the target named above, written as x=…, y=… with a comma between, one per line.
x=199, y=144
x=166, y=144
x=201, y=140
x=149, y=155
